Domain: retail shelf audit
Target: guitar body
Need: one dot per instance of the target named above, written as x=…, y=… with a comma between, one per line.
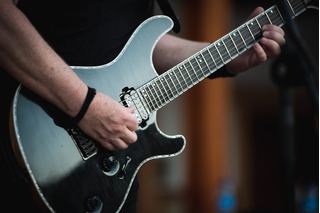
x=69, y=171
x=64, y=175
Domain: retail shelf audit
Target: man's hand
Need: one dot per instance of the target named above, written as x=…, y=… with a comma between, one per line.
x=268, y=47
x=110, y=123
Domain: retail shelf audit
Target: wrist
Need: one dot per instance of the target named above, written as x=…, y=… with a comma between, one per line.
x=91, y=92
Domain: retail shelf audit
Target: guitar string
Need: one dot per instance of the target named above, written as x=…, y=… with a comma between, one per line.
x=193, y=76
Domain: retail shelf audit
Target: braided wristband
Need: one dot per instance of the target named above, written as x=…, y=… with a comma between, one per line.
x=89, y=97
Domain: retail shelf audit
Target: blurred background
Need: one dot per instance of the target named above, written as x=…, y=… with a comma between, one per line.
x=237, y=148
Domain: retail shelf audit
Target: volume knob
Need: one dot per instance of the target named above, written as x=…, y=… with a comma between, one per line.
x=110, y=165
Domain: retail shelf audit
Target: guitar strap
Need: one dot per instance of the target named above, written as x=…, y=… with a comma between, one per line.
x=168, y=10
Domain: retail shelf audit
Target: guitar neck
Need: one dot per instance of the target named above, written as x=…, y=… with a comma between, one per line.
x=171, y=84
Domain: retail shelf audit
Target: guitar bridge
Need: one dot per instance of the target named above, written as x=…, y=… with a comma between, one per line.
x=85, y=144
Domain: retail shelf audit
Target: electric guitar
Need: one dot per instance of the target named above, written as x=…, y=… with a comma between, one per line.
x=69, y=171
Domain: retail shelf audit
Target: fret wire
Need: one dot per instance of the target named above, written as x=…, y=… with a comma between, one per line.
x=250, y=32
x=223, y=51
x=268, y=17
x=178, y=80
x=218, y=53
x=234, y=43
x=247, y=37
x=256, y=30
x=239, y=41
x=183, y=76
x=230, y=46
x=169, y=88
x=275, y=16
x=291, y=8
x=146, y=96
x=226, y=48
x=166, y=77
x=300, y=7
x=190, y=75
x=263, y=19
x=215, y=54
x=155, y=95
x=209, y=69
x=258, y=22
x=165, y=92
x=242, y=39
x=280, y=14
x=158, y=91
x=201, y=62
x=196, y=67
x=153, y=99
x=174, y=84
x=143, y=100
x=208, y=50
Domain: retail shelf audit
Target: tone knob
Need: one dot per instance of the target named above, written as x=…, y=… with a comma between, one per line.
x=94, y=204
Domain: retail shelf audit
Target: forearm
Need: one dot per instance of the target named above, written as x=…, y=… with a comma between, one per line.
x=172, y=50
x=30, y=60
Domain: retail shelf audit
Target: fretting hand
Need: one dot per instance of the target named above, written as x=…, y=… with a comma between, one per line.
x=268, y=47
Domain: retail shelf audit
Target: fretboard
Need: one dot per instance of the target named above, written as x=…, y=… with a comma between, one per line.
x=171, y=84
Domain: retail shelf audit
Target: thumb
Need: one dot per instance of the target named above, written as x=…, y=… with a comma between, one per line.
x=256, y=12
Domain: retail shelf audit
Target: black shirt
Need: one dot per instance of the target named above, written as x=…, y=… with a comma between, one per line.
x=82, y=32
x=86, y=32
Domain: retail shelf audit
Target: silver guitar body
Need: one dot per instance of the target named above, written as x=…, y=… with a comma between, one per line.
x=65, y=175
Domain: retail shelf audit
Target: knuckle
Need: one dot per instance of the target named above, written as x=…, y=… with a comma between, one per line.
x=117, y=128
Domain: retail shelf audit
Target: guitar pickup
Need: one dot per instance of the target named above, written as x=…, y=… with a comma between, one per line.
x=85, y=144
x=130, y=97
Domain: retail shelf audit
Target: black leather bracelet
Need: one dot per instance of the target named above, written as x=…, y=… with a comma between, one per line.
x=89, y=97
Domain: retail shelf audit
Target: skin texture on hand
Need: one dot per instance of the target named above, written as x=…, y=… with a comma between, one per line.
x=110, y=123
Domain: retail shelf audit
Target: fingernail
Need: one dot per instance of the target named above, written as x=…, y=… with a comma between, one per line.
x=266, y=33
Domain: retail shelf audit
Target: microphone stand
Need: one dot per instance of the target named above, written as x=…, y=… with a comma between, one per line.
x=293, y=68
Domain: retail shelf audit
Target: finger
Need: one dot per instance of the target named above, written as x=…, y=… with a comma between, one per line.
x=271, y=47
x=132, y=121
x=118, y=143
x=129, y=137
x=109, y=146
x=275, y=36
x=273, y=28
x=259, y=56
